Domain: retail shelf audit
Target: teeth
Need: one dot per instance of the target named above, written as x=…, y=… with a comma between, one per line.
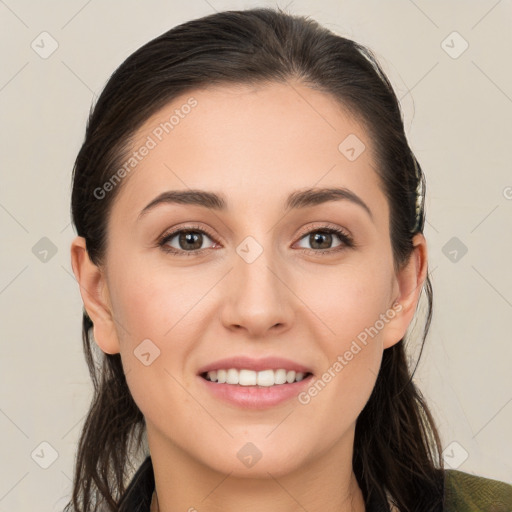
x=251, y=378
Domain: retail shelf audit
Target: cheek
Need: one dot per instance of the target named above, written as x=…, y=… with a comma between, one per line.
x=349, y=331
x=156, y=301
x=346, y=300
x=352, y=356
x=159, y=323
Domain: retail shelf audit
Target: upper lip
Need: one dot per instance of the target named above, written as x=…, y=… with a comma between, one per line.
x=248, y=363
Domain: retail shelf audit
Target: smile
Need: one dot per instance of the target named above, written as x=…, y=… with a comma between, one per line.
x=264, y=378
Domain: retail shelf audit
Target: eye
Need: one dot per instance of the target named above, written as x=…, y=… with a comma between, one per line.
x=190, y=241
x=183, y=241
x=321, y=240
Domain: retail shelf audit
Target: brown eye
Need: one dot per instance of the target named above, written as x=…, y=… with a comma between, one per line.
x=190, y=240
x=322, y=240
x=185, y=241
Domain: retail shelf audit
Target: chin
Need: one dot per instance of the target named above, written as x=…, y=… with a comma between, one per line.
x=256, y=459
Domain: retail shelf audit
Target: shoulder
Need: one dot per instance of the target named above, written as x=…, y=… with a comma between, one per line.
x=465, y=492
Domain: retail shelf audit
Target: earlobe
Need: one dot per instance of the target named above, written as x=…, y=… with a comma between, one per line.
x=409, y=279
x=94, y=292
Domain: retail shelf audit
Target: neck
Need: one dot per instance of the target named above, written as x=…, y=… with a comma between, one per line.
x=325, y=484
x=354, y=502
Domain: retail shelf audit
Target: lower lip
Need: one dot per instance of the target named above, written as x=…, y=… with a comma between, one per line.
x=254, y=397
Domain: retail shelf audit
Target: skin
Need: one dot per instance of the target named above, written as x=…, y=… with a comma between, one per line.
x=254, y=145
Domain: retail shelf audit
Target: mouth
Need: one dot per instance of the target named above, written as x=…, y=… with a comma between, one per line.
x=258, y=388
x=256, y=379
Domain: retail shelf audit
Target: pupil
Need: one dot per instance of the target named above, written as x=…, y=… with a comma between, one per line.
x=318, y=237
x=190, y=237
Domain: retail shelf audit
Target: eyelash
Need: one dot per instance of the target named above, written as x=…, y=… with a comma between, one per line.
x=347, y=240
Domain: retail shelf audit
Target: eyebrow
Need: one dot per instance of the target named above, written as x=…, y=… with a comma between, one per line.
x=298, y=199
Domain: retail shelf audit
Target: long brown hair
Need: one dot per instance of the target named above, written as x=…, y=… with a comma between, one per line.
x=397, y=450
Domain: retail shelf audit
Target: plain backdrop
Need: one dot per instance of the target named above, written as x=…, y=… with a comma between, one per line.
x=450, y=65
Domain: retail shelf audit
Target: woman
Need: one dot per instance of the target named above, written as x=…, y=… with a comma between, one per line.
x=250, y=254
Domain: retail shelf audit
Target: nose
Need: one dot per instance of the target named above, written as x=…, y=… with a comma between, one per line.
x=258, y=299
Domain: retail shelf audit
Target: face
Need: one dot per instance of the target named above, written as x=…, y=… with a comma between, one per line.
x=263, y=276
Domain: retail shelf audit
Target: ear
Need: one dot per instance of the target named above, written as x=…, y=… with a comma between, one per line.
x=408, y=284
x=95, y=296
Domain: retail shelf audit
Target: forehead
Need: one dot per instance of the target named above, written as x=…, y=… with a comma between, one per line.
x=253, y=143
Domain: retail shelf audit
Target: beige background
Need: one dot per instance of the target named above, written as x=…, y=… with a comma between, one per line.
x=457, y=113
